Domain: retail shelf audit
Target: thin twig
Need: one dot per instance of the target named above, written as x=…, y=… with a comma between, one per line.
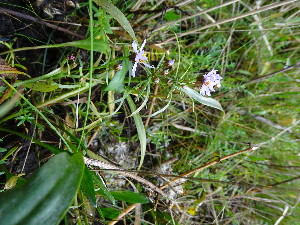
x=260, y=26
x=274, y=73
x=262, y=78
x=152, y=105
x=194, y=15
x=122, y=214
x=283, y=215
x=40, y=21
x=208, y=165
x=262, y=9
x=168, y=9
x=106, y=165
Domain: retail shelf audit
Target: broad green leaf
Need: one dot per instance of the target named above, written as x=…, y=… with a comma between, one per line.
x=87, y=186
x=117, y=82
x=140, y=129
x=42, y=87
x=205, y=101
x=131, y=197
x=46, y=196
x=116, y=14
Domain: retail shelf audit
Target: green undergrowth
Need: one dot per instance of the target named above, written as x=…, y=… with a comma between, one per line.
x=84, y=102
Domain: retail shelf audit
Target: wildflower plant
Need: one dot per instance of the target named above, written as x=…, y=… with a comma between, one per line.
x=90, y=97
x=140, y=57
x=211, y=80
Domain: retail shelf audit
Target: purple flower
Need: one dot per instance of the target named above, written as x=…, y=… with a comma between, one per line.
x=171, y=62
x=210, y=80
x=72, y=57
x=139, y=57
x=166, y=72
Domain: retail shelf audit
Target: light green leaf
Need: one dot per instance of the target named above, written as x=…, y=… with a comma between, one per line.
x=118, y=15
x=99, y=45
x=161, y=110
x=46, y=196
x=117, y=82
x=140, y=129
x=205, y=101
x=42, y=87
x=131, y=197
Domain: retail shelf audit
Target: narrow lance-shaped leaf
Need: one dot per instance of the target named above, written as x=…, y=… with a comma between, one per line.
x=205, y=101
x=130, y=197
x=140, y=129
x=87, y=186
x=98, y=46
x=118, y=15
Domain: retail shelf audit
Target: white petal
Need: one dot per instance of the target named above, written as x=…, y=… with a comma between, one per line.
x=134, y=69
x=143, y=45
x=204, y=90
x=134, y=46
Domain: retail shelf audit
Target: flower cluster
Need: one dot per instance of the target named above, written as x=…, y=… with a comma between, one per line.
x=139, y=57
x=210, y=80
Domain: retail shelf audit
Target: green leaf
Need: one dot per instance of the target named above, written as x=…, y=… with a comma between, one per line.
x=171, y=16
x=205, y=101
x=118, y=15
x=99, y=45
x=131, y=197
x=46, y=196
x=117, y=82
x=42, y=87
x=140, y=129
x=87, y=186
x=109, y=213
x=3, y=149
x=103, y=190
